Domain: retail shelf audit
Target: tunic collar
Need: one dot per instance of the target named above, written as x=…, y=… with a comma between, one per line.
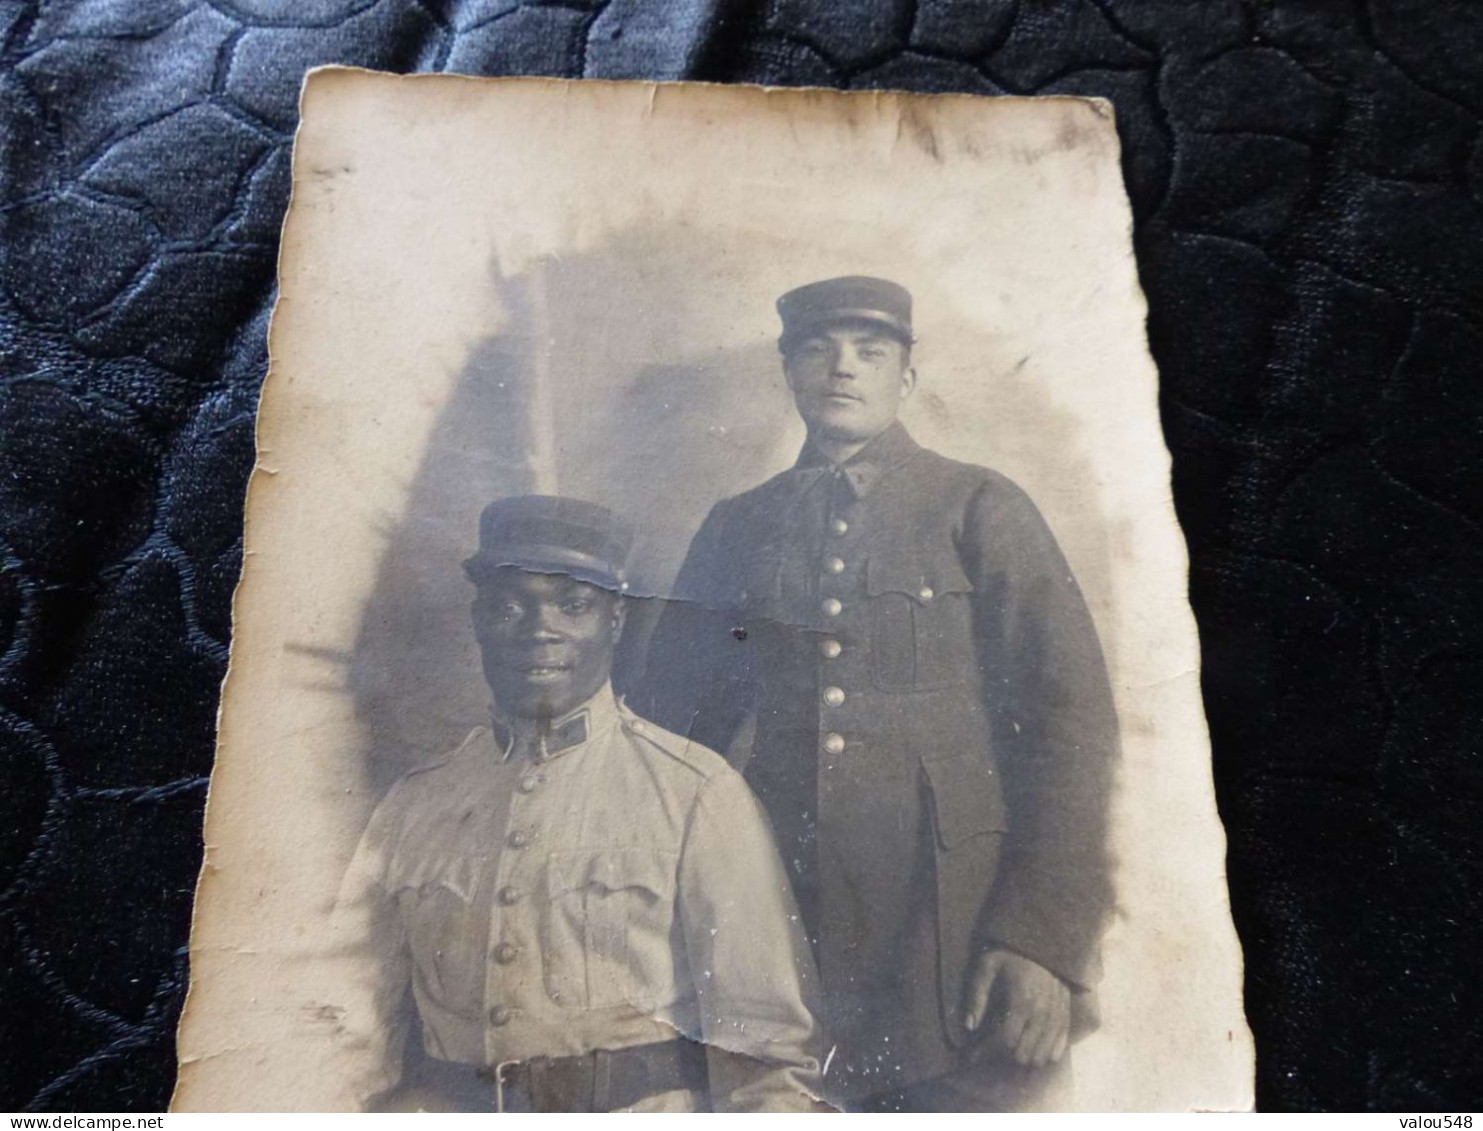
x=865, y=468
x=541, y=741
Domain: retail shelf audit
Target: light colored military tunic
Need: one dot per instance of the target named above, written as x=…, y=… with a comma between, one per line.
x=600, y=888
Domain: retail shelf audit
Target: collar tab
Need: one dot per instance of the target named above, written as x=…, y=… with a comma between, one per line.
x=863, y=470
x=540, y=741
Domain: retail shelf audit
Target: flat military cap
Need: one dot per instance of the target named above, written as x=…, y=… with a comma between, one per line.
x=853, y=298
x=550, y=534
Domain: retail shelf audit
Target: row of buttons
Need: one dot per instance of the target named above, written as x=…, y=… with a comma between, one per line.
x=829, y=647
x=506, y=952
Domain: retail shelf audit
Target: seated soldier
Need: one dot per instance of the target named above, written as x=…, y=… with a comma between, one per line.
x=589, y=910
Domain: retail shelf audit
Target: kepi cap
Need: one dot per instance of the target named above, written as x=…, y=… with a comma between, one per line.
x=859, y=298
x=552, y=534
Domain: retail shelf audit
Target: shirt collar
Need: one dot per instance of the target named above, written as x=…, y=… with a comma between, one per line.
x=541, y=741
x=864, y=469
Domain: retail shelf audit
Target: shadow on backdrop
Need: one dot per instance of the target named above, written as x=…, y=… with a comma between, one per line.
x=621, y=376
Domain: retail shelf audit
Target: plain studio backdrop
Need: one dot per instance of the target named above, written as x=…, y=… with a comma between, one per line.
x=492, y=287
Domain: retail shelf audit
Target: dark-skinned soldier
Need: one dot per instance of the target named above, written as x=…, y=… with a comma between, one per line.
x=587, y=909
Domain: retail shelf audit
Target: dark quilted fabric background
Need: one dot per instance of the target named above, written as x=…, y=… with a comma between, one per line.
x=1307, y=178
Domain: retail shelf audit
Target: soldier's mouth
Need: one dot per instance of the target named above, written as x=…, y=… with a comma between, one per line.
x=539, y=671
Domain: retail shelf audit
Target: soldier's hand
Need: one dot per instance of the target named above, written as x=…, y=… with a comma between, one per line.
x=1035, y=1025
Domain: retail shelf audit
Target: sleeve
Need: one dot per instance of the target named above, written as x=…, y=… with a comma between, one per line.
x=1056, y=736
x=371, y=966
x=696, y=680
x=754, y=971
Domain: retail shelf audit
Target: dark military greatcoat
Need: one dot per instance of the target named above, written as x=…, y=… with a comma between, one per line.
x=934, y=732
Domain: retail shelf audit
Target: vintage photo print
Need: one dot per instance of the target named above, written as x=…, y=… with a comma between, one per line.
x=713, y=630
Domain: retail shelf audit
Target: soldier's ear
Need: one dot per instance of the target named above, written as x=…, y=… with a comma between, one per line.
x=908, y=381
x=788, y=374
x=620, y=614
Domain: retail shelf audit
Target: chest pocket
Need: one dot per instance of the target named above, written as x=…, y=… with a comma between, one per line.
x=921, y=620
x=606, y=930
x=446, y=931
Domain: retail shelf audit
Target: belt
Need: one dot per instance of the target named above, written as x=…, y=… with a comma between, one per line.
x=602, y=1080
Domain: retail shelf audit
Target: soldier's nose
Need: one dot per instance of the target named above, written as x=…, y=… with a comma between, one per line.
x=539, y=629
x=847, y=361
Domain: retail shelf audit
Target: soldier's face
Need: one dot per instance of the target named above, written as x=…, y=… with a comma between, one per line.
x=546, y=640
x=849, y=380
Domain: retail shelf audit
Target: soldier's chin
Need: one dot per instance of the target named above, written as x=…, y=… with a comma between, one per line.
x=844, y=423
x=534, y=695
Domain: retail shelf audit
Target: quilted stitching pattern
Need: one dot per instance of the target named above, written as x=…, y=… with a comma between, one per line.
x=1307, y=180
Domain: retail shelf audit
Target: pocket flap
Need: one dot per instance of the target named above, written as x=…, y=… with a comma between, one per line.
x=613, y=869
x=922, y=576
x=458, y=873
x=967, y=799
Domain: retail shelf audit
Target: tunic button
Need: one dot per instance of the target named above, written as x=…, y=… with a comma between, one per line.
x=506, y=953
x=834, y=744
x=637, y=726
x=832, y=607
x=519, y=839
x=926, y=593
x=500, y=1015
x=839, y=526
x=831, y=648
x=834, y=696
x=835, y=565
x=509, y=895
x=529, y=784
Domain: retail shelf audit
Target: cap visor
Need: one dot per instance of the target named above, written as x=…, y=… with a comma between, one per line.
x=543, y=559
x=804, y=326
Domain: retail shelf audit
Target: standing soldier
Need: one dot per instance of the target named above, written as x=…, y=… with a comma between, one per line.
x=576, y=898
x=932, y=725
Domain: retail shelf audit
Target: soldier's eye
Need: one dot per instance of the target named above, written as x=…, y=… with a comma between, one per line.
x=576, y=606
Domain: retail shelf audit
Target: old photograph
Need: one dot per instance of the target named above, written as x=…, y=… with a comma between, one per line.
x=713, y=632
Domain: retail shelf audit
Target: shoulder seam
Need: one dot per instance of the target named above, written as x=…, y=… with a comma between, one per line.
x=770, y=483
x=443, y=759
x=648, y=734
